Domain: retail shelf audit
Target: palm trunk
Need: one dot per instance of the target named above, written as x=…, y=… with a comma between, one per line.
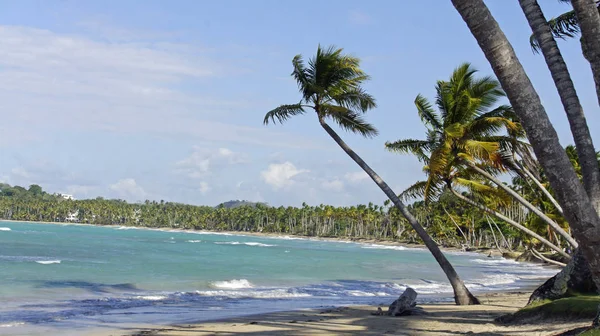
x=462, y=296
x=510, y=221
x=544, y=259
x=523, y=201
x=589, y=23
x=502, y=235
x=493, y=234
x=579, y=211
x=543, y=190
x=456, y=224
x=568, y=97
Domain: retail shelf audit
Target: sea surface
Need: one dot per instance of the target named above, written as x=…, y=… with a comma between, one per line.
x=71, y=279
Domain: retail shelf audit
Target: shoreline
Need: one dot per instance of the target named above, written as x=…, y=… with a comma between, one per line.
x=438, y=319
x=487, y=251
x=145, y=329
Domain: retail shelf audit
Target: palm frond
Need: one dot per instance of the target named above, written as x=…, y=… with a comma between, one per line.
x=427, y=113
x=416, y=190
x=480, y=149
x=563, y=26
x=355, y=99
x=301, y=76
x=349, y=120
x=473, y=185
x=283, y=113
x=409, y=146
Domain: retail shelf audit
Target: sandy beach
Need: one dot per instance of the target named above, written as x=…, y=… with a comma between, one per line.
x=439, y=319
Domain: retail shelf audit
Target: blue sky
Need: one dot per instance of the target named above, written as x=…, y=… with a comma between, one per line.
x=165, y=99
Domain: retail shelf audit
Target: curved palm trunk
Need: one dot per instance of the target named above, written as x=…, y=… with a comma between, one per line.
x=544, y=190
x=542, y=258
x=579, y=211
x=456, y=224
x=462, y=296
x=523, y=201
x=510, y=221
x=501, y=234
x=493, y=234
x=589, y=23
x=568, y=97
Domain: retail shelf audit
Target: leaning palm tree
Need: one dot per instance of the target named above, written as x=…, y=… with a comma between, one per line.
x=331, y=88
x=577, y=207
x=584, y=19
x=464, y=134
x=568, y=97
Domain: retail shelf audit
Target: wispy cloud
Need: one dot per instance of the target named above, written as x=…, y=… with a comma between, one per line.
x=55, y=81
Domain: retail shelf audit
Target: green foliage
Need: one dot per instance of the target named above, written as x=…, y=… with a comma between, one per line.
x=355, y=222
x=576, y=307
x=563, y=26
x=330, y=85
x=465, y=126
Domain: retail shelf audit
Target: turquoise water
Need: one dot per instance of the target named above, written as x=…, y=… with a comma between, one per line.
x=69, y=278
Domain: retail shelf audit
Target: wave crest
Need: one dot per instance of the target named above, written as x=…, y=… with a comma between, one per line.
x=232, y=284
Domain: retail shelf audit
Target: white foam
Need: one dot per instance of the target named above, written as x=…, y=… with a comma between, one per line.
x=496, y=261
x=4, y=229
x=247, y=243
x=47, y=262
x=383, y=247
x=151, y=297
x=194, y=241
x=9, y=325
x=233, y=284
x=288, y=238
x=210, y=233
x=258, y=244
x=265, y=294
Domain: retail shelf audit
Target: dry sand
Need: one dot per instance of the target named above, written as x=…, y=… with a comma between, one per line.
x=440, y=319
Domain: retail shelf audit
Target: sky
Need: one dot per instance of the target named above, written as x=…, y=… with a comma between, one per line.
x=165, y=100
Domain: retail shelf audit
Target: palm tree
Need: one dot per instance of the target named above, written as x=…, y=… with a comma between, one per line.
x=567, y=25
x=578, y=209
x=588, y=18
x=331, y=87
x=568, y=97
x=464, y=132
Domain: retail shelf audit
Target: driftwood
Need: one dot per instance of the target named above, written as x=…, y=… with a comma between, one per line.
x=544, y=259
x=405, y=304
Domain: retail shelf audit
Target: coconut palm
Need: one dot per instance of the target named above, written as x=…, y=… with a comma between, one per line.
x=577, y=207
x=568, y=96
x=330, y=85
x=584, y=19
x=463, y=135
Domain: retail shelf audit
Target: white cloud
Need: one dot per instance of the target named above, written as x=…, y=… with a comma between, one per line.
x=333, y=185
x=204, y=188
x=356, y=177
x=128, y=189
x=359, y=17
x=202, y=160
x=280, y=175
x=59, y=81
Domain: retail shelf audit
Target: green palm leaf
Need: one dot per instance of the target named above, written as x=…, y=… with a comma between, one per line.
x=283, y=113
x=349, y=120
x=427, y=113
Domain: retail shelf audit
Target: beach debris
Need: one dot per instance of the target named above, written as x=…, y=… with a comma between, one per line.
x=379, y=312
x=405, y=304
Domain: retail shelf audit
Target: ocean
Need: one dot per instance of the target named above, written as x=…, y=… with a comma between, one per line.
x=73, y=279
